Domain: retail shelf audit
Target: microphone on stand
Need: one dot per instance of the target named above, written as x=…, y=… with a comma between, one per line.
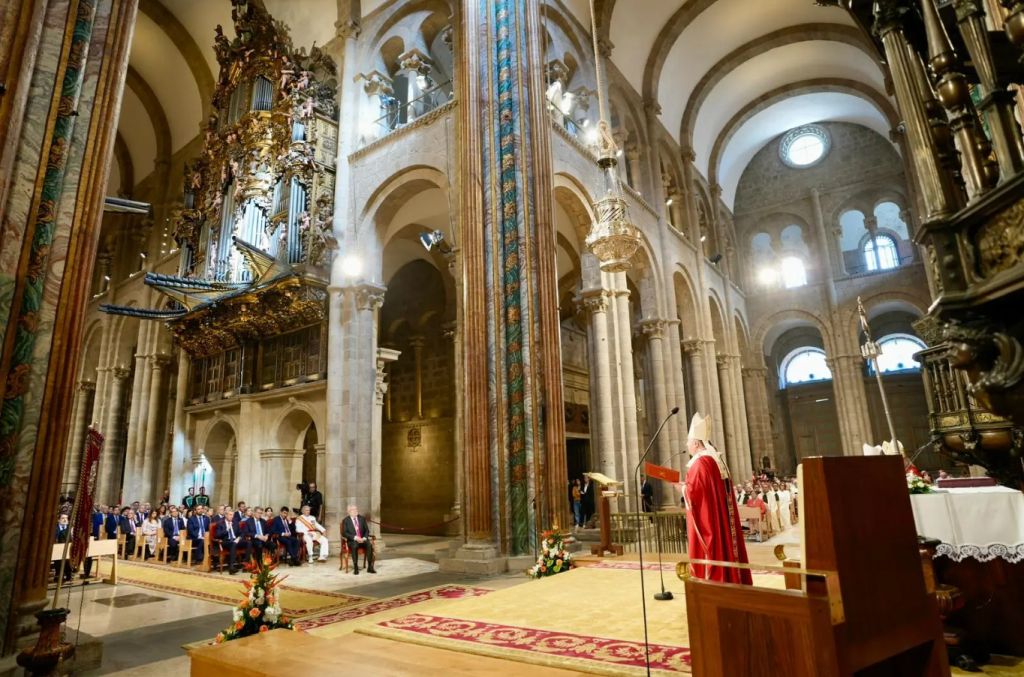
x=639, y=535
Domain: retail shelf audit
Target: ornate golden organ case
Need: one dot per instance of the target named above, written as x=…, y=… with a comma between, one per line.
x=249, y=302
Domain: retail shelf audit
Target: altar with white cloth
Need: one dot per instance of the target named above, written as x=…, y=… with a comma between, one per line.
x=982, y=523
x=981, y=530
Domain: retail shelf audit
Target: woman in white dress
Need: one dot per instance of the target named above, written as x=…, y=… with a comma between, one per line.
x=149, y=530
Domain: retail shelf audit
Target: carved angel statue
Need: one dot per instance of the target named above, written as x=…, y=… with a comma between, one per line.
x=303, y=80
x=314, y=239
x=606, y=145
x=307, y=108
x=221, y=45
x=286, y=78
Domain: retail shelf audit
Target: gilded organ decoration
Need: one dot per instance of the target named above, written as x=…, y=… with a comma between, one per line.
x=255, y=229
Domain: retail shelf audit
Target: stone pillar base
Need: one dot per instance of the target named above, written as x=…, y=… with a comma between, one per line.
x=453, y=526
x=477, y=560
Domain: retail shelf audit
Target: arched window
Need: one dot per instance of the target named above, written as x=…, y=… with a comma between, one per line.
x=898, y=353
x=880, y=253
x=804, y=365
x=793, y=272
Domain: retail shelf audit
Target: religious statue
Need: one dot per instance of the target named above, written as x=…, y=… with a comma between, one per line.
x=713, y=522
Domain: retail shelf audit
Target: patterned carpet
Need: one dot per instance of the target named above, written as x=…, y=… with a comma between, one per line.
x=343, y=621
x=589, y=619
x=296, y=602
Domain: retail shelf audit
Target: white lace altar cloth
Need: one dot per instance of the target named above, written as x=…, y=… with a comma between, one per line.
x=982, y=523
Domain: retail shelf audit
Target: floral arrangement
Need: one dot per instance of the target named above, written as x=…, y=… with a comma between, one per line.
x=916, y=485
x=553, y=559
x=260, y=610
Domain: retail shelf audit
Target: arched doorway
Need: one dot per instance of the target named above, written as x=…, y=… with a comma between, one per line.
x=221, y=454
x=294, y=461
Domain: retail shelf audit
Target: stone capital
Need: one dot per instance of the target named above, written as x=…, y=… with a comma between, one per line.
x=415, y=60
x=86, y=386
x=450, y=330
x=652, y=107
x=417, y=342
x=755, y=372
x=653, y=328
x=375, y=83
x=120, y=373
x=369, y=296
x=692, y=346
x=349, y=29
x=688, y=154
x=160, y=360
x=593, y=301
x=605, y=47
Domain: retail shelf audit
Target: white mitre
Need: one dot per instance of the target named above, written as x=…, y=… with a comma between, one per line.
x=871, y=451
x=891, y=449
x=699, y=427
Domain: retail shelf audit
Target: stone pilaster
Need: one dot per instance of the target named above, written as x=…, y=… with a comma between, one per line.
x=181, y=446
x=678, y=426
x=602, y=428
x=384, y=356
x=629, y=433
x=112, y=458
x=136, y=421
x=851, y=402
x=755, y=388
x=85, y=395
x=654, y=330
x=152, y=450
x=694, y=351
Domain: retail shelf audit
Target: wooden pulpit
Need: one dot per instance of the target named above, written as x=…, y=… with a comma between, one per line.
x=609, y=488
x=870, y=615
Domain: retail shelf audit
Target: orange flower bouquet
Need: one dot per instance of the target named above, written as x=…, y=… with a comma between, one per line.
x=553, y=559
x=260, y=609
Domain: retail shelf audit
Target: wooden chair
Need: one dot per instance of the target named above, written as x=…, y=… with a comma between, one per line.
x=185, y=550
x=161, y=546
x=344, y=559
x=122, y=543
x=751, y=514
x=140, y=546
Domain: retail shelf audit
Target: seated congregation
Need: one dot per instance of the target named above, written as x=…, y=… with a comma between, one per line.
x=221, y=538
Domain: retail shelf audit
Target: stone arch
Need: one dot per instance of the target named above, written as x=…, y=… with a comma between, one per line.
x=667, y=36
x=161, y=127
x=220, y=447
x=186, y=45
x=291, y=426
x=785, y=36
x=770, y=327
x=884, y=302
x=686, y=305
x=742, y=335
x=812, y=86
x=401, y=11
x=91, y=351
x=125, y=168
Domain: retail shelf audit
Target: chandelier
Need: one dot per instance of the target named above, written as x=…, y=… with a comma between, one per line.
x=613, y=238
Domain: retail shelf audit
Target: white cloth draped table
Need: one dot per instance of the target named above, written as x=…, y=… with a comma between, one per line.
x=980, y=523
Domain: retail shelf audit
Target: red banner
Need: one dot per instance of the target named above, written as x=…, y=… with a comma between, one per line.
x=84, y=497
x=661, y=473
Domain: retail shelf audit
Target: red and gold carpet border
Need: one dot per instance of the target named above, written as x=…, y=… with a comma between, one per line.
x=562, y=649
x=389, y=603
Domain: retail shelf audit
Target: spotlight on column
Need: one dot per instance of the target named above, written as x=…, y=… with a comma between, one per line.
x=352, y=266
x=715, y=259
x=435, y=238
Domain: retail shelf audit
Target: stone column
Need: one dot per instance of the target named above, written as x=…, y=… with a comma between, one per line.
x=602, y=429
x=152, y=450
x=112, y=458
x=755, y=389
x=732, y=442
x=384, y=356
x=64, y=74
x=359, y=396
x=416, y=343
x=136, y=421
x=181, y=444
x=742, y=423
x=451, y=333
x=84, y=396
x=694, y=350
x=716, y=394
x=654, y=330
x=321, y=464
x=678, y=427
x=851, y=402
x=514, y=435
x=629, y=427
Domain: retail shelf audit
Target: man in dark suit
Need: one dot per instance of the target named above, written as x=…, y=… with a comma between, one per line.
x=256, y=533
x=63, y=532
x=173, y=526
x=113, y=521
x=128, y=528
x=587, y=499
x=357, y=533
x=315, y=500
x=233, y=542
x=239, y=515
x=198, y=527
x=99, y=516
x=647, y=494
x=282, y=528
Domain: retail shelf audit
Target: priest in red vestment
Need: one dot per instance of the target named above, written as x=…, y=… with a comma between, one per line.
x=713, y=522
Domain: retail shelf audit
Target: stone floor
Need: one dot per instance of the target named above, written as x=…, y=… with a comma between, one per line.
x=143, y=631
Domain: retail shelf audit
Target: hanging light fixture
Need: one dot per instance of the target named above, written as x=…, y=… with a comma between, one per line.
x=613, y=238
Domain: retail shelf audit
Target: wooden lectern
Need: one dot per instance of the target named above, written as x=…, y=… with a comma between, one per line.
x=874, y=618
x=609, y=489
